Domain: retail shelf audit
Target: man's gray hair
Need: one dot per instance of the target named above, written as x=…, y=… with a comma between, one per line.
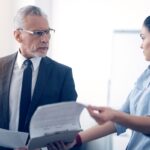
x=25, y=11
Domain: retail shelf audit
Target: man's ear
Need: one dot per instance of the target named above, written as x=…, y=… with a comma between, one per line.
x=17, y=35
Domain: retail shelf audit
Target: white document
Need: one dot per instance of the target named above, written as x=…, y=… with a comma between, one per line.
x=50, y=123
x=55, y=122
x=12, y=139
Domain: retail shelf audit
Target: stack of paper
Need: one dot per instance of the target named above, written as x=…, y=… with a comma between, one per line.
x=50, y=123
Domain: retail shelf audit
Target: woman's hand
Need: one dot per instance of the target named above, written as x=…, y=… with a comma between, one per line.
x=102, y=114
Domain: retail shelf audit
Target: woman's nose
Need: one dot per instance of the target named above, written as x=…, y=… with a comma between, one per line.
x=141, y=46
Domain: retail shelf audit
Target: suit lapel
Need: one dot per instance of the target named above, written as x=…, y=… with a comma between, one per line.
x=5, y=78
x=44, y=71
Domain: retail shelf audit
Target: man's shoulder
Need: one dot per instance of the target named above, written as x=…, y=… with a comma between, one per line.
x=7, y=58
x=56, y=64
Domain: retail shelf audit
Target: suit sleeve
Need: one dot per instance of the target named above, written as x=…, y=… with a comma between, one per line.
x=68, y=91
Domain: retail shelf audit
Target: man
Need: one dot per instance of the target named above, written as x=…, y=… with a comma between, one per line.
x=52, y=82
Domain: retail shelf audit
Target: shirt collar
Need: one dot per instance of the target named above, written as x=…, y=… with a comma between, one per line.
x=20, y=59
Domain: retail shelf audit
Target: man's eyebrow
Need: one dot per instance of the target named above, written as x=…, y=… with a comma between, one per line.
x=42, y=29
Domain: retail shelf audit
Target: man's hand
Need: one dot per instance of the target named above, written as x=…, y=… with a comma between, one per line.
x=55, y=146
x=22, y=148
x=61, y=146
x=25, y=148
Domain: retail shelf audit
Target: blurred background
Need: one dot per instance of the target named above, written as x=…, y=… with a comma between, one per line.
x=100, y=40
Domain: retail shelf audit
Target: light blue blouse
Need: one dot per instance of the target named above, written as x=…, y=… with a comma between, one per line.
x=138, y=103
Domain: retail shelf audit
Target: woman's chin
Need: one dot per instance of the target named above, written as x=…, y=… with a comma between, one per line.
x=147, y=58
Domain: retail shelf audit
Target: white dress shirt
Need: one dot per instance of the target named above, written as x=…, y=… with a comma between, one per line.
x=16, y=86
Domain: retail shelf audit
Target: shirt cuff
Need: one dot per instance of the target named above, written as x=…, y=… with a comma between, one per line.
x=119, y=128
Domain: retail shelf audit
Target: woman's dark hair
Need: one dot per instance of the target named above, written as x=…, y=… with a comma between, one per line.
x=147, y=23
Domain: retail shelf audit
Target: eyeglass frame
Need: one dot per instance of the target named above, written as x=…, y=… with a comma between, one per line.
x=38, y=33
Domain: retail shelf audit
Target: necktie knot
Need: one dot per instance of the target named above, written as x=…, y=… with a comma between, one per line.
x=27, y=62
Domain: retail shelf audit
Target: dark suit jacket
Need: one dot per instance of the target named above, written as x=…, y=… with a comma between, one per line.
x=54, y=84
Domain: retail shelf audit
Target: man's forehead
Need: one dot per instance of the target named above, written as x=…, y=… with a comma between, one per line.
x=36, y=22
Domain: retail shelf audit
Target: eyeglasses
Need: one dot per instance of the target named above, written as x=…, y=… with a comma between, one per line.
x=39, y=33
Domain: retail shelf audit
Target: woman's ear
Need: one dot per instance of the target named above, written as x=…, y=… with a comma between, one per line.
x=17, y=35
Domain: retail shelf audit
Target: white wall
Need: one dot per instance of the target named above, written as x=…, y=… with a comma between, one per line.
x=6, y=27
x=8, y=10
x=129, y=14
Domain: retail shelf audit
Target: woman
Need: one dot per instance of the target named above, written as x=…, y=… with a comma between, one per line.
x=135, y=113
